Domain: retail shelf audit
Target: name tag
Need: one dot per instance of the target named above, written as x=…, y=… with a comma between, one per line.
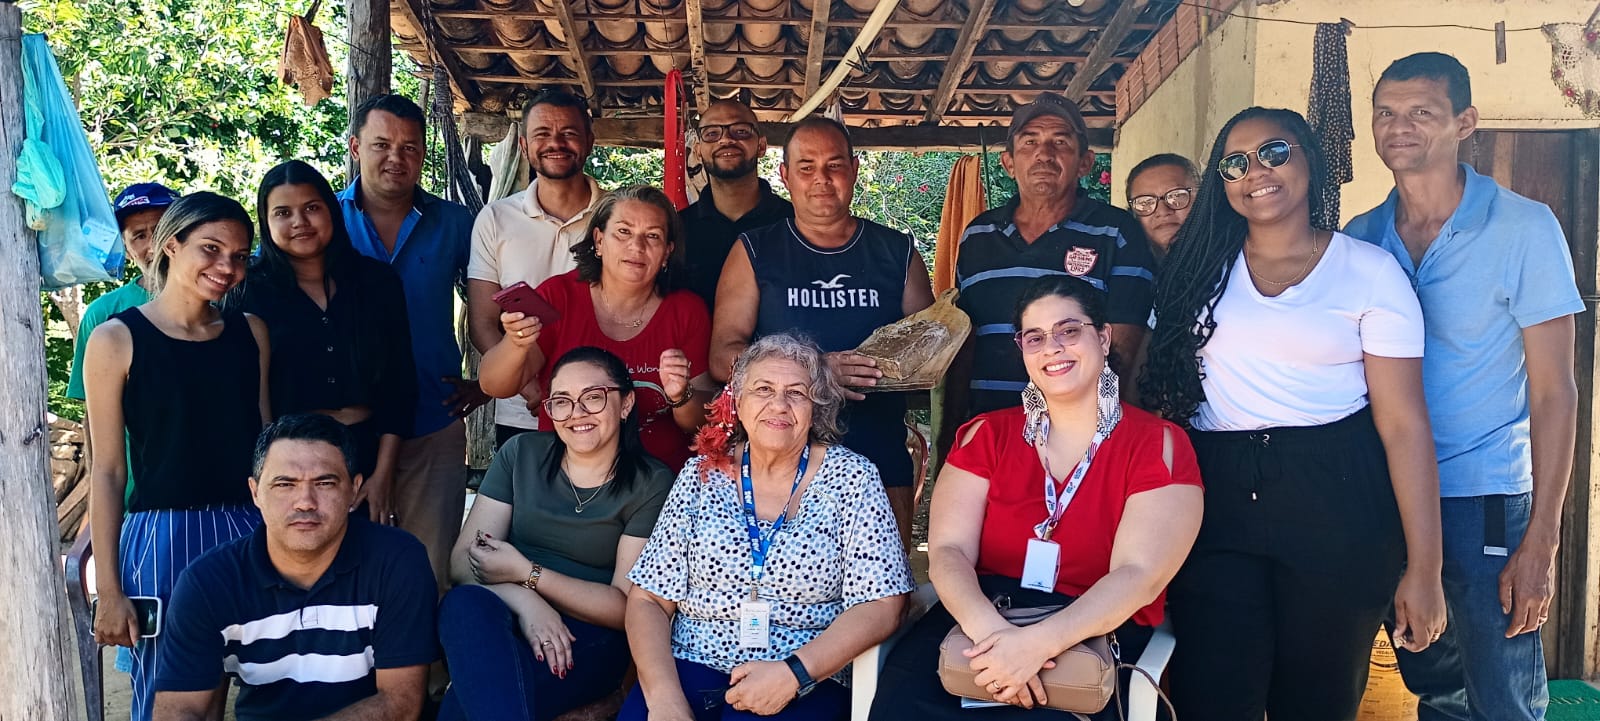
x=1041, y=565
x=755, y=624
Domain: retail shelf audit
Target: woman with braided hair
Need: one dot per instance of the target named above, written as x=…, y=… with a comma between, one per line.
x=1293, y=353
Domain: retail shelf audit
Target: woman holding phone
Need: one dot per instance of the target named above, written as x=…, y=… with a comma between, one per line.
x=176, y=391
x=626, y=297
x=341, y=341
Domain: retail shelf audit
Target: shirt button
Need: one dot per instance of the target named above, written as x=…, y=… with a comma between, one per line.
x=324, y=320
x=330, y=349
x=331, y=380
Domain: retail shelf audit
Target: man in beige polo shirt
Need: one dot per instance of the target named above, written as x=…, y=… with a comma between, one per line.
x=528, y=236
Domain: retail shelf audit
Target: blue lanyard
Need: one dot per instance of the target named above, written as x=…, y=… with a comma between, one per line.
x=760, y=544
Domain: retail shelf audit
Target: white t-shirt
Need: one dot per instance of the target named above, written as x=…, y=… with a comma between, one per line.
x=1296, y=359
x=514, y=240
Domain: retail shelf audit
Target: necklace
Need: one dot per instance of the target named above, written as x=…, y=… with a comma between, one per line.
x=1297, y=277
x=581, y=502
x=617, y=319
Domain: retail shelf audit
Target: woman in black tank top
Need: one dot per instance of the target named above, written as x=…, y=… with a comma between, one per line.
x=177, y=390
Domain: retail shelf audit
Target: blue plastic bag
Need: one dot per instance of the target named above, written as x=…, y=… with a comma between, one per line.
x=57, y=175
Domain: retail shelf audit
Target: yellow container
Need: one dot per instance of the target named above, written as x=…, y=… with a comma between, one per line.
x=1386, y=698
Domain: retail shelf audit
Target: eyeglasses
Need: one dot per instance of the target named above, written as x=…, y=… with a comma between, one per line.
x=591, y=400
x=734, y=131
x=1271, y=154
x=1065, y=332
x=1176, y=199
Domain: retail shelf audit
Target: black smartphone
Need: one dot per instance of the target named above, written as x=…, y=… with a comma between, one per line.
x=147, y=609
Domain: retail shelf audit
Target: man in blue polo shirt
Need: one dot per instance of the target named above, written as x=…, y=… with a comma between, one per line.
x=1050, y=228
x=427, y=241
x=318, y=614
x=1494, y=276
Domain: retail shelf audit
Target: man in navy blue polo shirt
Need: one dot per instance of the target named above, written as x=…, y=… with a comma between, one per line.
x=1050, y=228
x=427, y=241
x=318, y=615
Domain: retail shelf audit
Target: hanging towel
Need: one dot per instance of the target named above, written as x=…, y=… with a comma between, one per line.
x=963, y=201
x=1329, y=114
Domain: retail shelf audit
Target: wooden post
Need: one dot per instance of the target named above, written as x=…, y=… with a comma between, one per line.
x=35, y=673
x=370, y=65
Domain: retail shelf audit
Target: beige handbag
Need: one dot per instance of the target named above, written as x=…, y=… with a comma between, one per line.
x=1083, y=680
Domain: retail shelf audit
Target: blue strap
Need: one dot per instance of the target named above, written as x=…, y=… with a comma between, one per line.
x=759, y=543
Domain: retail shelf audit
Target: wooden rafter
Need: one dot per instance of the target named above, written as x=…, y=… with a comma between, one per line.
x=956, y=66
x=818, y=45
x=580, y=65
x=646, y=132
x=869, y=87
x=759, y=54
x=416, y=12
x=1105, y=47
x=697, y=53
x=855, y=22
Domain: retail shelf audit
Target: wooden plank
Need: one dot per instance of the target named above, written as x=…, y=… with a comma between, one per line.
x=1105, y=47
x=908, y=21
x=697, y=53
x=646, y=133
x=875, y=87
x=956, y=67
x=815, y=49
x=415, y=12
x=35, y=667
x=759, y=54
x=580, y=65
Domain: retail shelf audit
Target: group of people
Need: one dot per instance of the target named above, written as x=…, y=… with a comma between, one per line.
x=1254, y=423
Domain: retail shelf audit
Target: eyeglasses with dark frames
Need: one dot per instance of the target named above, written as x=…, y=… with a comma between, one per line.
x=734, y=131
x=590, y=400
x=1271, y=154
x=1176, y=199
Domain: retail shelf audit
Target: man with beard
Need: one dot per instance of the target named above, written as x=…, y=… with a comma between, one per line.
x=528, y=236
x=736, y=199
x=318, y=614
x=1050, y=228
x=425, y=239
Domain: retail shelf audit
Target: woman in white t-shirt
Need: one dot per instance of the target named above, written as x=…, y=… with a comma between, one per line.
x=1294, y=354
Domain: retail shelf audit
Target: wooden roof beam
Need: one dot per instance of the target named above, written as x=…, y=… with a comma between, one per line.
x=1105, y=48
x=697, y=54
x=785, y=19
x=580, y=66
x=956, y=67
x=876, y=88
x=736, y=54
x=815, y=49
x=646, y=133
x=417, y=13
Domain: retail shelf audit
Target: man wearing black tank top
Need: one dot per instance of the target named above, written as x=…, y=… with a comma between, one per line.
x=836, y=278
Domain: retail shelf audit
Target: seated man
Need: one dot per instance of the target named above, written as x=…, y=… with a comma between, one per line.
x=319, y=615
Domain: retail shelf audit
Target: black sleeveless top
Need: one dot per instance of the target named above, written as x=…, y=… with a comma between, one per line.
x=837, y=297
x=192, y=413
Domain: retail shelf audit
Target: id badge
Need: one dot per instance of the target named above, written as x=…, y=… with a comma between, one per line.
x=755, y=624
x=1041, y=565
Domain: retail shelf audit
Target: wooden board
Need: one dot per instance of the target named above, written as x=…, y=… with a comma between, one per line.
x=943, y=311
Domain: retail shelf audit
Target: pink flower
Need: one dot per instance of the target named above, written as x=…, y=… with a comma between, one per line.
x=923, y=188
x=898, y=179
x=1105, y=177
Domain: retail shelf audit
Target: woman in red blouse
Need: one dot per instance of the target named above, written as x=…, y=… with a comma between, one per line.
x=1111, y=489
x=626, y=297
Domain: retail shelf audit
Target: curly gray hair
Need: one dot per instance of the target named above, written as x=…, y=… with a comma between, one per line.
x=827, y=396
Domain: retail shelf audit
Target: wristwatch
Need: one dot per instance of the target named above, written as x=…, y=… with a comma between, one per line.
x=688, y=395
x=801, y=675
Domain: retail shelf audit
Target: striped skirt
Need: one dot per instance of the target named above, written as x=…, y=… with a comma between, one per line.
x=155, y=548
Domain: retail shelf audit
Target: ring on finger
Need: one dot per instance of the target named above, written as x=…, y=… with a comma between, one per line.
x=547, y=643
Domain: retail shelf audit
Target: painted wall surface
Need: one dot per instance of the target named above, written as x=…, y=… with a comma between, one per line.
x=1276, y=70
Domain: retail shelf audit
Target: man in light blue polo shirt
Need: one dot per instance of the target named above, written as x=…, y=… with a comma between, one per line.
x=427, y=241
x=1495, y=279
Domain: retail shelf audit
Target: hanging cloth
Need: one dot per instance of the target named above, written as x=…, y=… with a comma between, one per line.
x=675, y=178
x=1329, y=114
x=963, y=201
x=304, y=63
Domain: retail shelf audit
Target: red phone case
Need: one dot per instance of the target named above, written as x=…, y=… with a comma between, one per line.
x=521, y=298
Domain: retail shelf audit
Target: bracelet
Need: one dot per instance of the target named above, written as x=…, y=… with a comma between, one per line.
x=532, y=584
x=688, y=395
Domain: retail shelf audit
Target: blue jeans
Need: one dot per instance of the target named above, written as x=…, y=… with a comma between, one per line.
x=1473, y=672
x=704, y=687
x=494, y=676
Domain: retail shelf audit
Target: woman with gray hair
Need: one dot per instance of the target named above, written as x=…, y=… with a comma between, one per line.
x=775, y=561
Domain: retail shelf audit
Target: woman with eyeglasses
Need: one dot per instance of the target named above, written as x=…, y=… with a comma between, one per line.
x=1160, y=190
x=626, y=297
x=1293, y=353
x=775, y=561
x=1072, y=474
x=534, y=626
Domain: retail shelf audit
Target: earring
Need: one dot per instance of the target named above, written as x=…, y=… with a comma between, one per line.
x=1110, y=391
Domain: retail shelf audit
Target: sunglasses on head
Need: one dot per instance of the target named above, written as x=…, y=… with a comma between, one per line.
x=1271, y=154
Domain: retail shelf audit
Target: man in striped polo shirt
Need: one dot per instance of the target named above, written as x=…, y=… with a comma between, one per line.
x=318, y=614
x=1050, y=228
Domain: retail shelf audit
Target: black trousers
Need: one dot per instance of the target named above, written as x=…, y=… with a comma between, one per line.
x=1295, y=567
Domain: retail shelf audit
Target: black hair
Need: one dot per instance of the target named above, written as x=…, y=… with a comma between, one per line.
x=181, y=218
x=399, y=106
x=556, y=97
x=1090, y=298
x=631, y=454
x=1197, y=271
x=1161, y=160
x=305, y=427
x=1432, y=66
x=672, y=277
x=818, y=122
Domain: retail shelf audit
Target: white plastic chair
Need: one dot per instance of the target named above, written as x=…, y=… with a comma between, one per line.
x=1142, y=696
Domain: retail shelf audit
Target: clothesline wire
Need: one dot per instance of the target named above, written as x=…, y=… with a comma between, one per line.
x=1234, y=14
